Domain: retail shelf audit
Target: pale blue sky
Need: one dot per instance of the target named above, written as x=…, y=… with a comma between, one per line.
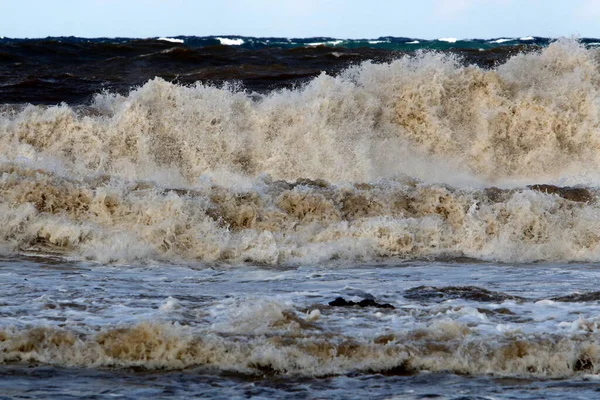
x=427, y=19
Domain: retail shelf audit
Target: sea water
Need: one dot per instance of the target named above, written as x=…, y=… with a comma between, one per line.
x=408, y=229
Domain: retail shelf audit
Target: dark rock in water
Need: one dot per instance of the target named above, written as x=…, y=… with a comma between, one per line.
x=580, y=195
x=578, y=297
x=474, y=293
x=583, y=363
x=498, y=311
x=341, y=302
x=497, y=195
x=314, y=183
x=373, y=303
x=403, y=369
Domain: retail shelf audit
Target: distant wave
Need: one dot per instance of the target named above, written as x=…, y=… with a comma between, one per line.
x=330, y=43
x=230, y=42
x=503, y=40
x=172, y=40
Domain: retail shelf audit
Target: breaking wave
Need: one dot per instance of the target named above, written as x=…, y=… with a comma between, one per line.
x=288, y=344
x=420, y=157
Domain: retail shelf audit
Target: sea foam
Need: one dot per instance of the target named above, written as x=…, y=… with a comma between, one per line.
x=385, y=160
x=230, y=42
x=172, y=40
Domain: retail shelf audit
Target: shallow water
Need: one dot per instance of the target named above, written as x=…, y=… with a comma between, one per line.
x=44, y=382
x=237, y=332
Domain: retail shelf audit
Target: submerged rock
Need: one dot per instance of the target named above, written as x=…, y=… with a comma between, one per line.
x=474, y=293
x=341, y=302
x=581, y=195
x=578, y=297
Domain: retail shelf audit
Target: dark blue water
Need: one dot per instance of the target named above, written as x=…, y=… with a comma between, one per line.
x=71, y=69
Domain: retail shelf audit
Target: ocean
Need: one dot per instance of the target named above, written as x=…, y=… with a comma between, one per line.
x=233, y=217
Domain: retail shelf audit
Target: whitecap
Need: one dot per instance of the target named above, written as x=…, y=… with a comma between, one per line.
x=330, y=43
x=503, y=40
x=449, y=40
x=230, y=42
x=172, y=40
x=526, y=38
x=414, y=42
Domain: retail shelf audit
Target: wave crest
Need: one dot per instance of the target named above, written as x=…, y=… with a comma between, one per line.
x=533, y=118
x=216, y=174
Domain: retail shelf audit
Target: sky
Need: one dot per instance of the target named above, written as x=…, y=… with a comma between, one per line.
x=427, y=19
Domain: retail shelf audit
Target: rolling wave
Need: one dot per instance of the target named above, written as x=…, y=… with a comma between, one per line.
x=419, y=157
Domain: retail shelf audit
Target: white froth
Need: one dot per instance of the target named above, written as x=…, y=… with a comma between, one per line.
x=527, y=38
x=502, y=40
x=449, y=40
x=171, y=40
x=328, y=43
x=230, y=42
x=413, y=42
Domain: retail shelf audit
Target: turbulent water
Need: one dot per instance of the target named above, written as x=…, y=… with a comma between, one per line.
x=194, y=238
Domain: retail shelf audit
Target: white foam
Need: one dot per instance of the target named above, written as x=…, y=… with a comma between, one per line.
x=503, y=40
x=526, y=38
x=413, y=42
x=314, y=315
x=171, y=40
x=169, y=304
x=449, y=40
x=329, y=43
x=374, y=123
x=230, y=42
x=377, y=41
